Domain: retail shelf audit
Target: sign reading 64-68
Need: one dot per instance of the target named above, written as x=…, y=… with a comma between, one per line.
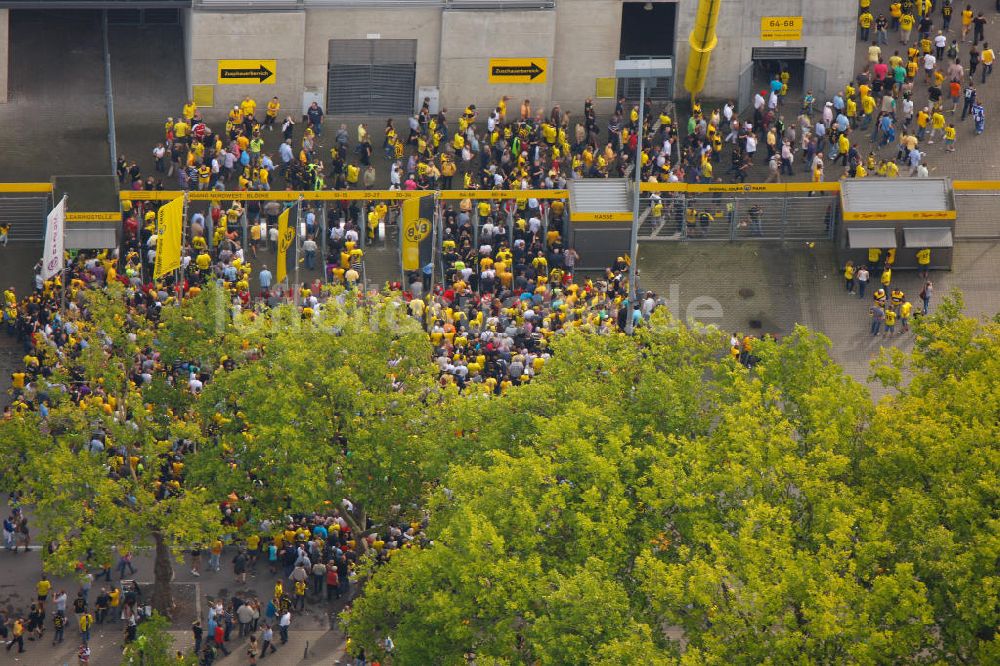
x=780, y=28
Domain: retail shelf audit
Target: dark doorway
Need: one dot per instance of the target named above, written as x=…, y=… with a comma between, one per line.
x=647, y=32
x=771, y=62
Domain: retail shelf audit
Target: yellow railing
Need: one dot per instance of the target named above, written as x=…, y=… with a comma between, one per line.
x=25, y=188
x=336, y=195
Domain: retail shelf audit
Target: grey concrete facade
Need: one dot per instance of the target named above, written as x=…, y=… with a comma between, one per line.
x=580, y=40
x=829, y=31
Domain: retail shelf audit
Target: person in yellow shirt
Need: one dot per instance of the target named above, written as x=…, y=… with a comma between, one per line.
x=248, y=107
x=182, y=131
x=865, y=22
x=966, y=21
x=204, y=174
x=949, y=138
x=937, y=125
x=905, y=26
x=905, y=312
x=42, y=587
x=923, y=116
x=189, y=110
x=273, y=107
x=987, y=58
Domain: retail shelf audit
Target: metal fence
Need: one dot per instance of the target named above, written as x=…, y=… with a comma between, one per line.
x=739, y=217
x=978, y=215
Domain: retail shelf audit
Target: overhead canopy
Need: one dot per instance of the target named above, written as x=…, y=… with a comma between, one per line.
x=887, y=195
x=882, y=238
x=92, y=238
x=927, y=237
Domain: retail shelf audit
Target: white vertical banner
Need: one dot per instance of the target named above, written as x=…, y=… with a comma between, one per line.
x=52, y=259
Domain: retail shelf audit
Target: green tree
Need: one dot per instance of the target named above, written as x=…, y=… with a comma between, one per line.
x=153, y=646
x=648, y=498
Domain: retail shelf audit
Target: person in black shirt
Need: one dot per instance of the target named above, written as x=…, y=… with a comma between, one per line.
x=198, y=632
x=101, y=605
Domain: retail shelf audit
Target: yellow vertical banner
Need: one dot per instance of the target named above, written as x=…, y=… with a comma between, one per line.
x=416, y=228
x=169, y=231
x=286, y=235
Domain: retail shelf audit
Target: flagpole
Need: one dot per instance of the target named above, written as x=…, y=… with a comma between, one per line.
x=181, y=269
x=436, y=233
x=62, y=276
x=298, y=243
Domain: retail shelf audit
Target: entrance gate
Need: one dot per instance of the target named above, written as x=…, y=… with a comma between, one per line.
x=797, y=211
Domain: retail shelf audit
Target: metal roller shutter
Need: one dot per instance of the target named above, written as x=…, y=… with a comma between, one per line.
x=371, y=76
x=778, y=53
x=880, y=237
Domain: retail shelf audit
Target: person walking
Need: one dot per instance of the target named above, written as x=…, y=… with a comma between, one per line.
x=86, y=621
x=849, y=277
x=59, y=624
x=266, y=640
x=17, y=635
x=925, y=295
x=969, y=98
x=283, y=623
x=220, y=639
x=215, y=553
x=252, y=650
x=986, y=58
x=198, y=632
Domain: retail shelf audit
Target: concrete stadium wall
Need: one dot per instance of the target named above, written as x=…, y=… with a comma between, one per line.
x=589, y=32
x=4, y=55
x=230, y=35
x=828, y=34
x=580, y=39
x=471, y=38
x=322, y=25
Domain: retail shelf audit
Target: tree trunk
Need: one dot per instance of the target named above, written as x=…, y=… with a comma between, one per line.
x=357, y=528
x=162, y=599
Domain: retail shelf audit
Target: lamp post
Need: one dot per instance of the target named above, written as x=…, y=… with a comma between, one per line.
x=644, y=70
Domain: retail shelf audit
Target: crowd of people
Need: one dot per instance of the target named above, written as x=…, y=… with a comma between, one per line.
x=890, y=305
x=508, y=280
x=901, y=102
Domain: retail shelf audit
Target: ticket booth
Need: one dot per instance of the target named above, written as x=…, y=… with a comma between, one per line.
x=906, y=214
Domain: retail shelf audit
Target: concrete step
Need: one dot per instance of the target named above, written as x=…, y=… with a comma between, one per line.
x=600, y=195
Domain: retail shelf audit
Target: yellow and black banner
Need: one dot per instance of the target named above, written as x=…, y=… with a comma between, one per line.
x=169, y=232
x=418, y=216
x=286, y=234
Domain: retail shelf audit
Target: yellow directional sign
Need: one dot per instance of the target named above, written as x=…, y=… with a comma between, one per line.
x=518, y=70
x=601, y=217
x=780, y=28
x=248, y=71
x=94, y=216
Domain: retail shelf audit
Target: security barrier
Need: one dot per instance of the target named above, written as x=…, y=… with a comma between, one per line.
x=748, y=212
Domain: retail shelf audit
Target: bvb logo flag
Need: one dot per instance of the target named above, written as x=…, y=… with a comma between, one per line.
x=286, y=235
x=169, y=230
x=417, y=214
